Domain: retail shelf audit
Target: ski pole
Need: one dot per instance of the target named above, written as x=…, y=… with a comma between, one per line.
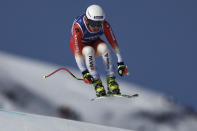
x=46, y=76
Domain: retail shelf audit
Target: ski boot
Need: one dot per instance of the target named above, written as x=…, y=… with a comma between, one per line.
x=112, y=85
x=100, y=90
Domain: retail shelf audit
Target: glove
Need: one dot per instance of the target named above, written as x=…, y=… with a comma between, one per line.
x=122, y=69
x=87, y=77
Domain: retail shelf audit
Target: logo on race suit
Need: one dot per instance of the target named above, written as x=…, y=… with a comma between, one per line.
x=98, y=17
x=76, y=30
x=107, y=25
x=92, y=37
x=107, y=56
x=76, y=44
x=91, y=63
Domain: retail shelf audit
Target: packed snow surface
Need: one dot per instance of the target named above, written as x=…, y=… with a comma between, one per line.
x=16, y=121
x=23, y=89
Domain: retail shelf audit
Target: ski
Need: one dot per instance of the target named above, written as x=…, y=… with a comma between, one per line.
x=115, y=95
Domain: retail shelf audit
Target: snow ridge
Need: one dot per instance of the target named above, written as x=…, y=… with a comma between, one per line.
x=16, y=121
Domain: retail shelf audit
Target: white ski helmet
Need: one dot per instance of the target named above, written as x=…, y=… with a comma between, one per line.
x=95, y=13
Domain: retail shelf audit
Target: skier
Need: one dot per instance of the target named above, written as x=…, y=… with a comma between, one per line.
x=86, y=44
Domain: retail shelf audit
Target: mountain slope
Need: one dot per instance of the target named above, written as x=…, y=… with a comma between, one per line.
x=22, y=88
x=16, y=121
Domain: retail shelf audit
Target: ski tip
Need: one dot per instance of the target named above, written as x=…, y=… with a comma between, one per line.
x=136, y=95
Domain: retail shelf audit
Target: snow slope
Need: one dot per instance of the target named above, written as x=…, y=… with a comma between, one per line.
x=23, y=89
x=16, y=121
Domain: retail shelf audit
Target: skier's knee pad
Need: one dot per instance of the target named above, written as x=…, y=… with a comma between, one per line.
x=102, y=49
x=88, y=50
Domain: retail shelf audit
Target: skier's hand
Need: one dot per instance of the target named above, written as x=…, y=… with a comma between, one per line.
x=87, y=77
x=122, y=69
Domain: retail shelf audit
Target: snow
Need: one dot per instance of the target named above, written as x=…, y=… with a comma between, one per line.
x=24, y=89
x=16, y=121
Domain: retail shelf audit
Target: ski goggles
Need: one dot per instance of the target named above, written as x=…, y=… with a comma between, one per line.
x=94, y=23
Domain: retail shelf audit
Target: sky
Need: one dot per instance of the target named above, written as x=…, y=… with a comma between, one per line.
x=157, y=38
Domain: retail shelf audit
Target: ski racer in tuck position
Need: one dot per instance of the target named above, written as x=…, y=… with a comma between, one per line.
x=86, y=44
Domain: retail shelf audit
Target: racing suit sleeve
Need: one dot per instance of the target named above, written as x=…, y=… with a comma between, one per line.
x=112, y=40
x=76, y=47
